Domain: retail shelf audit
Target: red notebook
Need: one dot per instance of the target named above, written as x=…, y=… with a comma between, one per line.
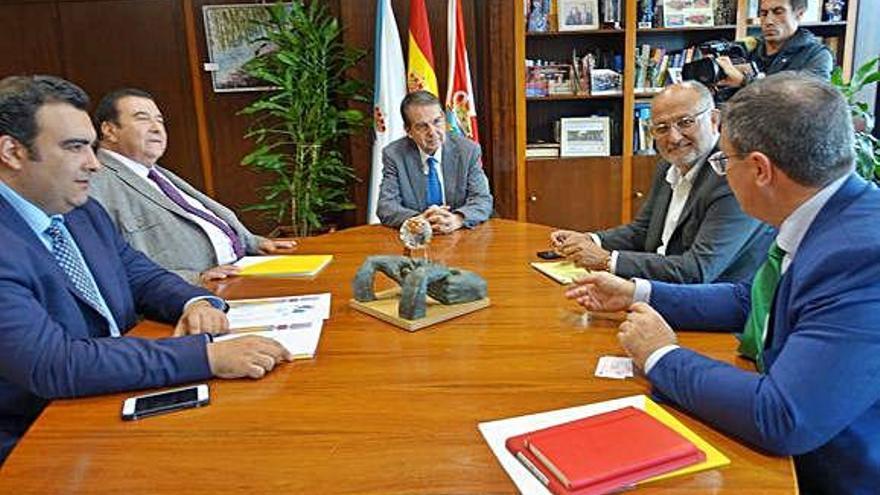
x=603, y=453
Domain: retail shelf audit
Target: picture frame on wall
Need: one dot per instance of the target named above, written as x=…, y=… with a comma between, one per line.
x=230, y=32
x=577, y=15
x=585, y=136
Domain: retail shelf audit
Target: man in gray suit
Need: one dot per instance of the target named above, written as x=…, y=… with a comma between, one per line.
x=431, y=174
x=156, y=211
x=691, y=228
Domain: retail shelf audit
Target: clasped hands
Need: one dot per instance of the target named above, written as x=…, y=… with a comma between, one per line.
x=579, y=248
x=251, y=356
x=442, y=220
x=642, y=332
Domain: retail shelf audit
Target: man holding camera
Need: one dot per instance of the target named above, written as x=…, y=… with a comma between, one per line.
x=781, y=46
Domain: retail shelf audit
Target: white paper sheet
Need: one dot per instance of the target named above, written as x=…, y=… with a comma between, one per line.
x=497, y=432
x=274, y=313
x=301, y=340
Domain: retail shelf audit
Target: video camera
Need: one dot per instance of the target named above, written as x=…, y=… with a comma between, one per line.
x=706, y=70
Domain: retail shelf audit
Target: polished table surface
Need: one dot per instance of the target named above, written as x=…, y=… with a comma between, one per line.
x=379, y=410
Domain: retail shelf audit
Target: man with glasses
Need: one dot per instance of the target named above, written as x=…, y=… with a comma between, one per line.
x=783, y=45
x=690, y=228
x=810, y=316
x=431, y=174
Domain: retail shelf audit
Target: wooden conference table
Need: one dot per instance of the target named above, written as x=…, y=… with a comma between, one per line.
x=379, y=410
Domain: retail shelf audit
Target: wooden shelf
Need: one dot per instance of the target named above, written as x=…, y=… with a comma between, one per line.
x=577, y=160
x=574, y=97
x=726, y=27
x=585, y=32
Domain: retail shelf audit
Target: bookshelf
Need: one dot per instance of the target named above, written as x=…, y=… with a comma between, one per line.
x=588, y=193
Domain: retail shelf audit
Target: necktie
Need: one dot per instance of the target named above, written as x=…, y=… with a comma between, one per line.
x=435, y=193
x=174, y=195
x=763, y=288
x=75, y=268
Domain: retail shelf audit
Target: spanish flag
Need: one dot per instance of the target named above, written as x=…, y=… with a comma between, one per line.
x=461, y=106
x=420, y=74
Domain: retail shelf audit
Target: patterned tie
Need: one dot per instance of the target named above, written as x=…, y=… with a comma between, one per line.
x=75, y=268
x=763, y=288
x=178, y=199
x=435, y=193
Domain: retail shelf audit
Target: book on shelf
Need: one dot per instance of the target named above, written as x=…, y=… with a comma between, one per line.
x=290, y=265
x=643, y=140
x=542, y=150
x=603, y=453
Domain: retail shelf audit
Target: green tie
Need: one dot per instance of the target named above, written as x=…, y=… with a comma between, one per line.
x=763, y=287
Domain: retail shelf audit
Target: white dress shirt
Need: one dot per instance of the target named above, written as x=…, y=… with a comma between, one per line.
x=221, y=243
x=791, y=233
x=437, y=154
x=681, y=189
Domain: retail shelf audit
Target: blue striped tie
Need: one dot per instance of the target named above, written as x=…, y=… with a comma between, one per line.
x=435, y=193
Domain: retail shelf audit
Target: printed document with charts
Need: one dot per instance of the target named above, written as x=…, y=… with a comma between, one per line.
x=497, y=432
x=294, y=321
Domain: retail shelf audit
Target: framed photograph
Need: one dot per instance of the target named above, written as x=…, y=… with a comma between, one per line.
x=230, y=33
x=577, y=15
x=688, y=13
x=585, y=136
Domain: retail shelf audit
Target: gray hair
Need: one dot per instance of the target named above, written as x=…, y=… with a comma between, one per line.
x=800, y=122
x=419, y=98
x=704, y=96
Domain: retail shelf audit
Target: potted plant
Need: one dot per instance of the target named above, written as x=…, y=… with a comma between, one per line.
x=300, y=125
x=867, y=147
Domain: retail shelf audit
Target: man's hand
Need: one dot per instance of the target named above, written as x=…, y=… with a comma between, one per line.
x=218, y=273
x=442, y=220
x=201, y=317
x=643, y=332
x=558, y=237
x=276, y=246
x=602, y=291
x=735, y=77
x=251, y=356
x=580, y=249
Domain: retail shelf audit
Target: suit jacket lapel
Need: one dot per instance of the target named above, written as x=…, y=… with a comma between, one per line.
x=451, y=172
x=658, y=215
x=141, y=185
x=417, y=180
x=93, y=252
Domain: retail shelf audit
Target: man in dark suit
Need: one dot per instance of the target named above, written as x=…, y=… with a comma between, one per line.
x=690, y=228
x=810, y=314
x=432, y=174
x=157, y=212
x=70, y=286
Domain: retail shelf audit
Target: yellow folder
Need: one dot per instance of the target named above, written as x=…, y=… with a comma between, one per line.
x=564, y=272
x=714, y=457
x=295, y=265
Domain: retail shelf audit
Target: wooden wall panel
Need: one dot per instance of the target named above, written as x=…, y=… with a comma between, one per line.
x=29, y=41
x=110, y=44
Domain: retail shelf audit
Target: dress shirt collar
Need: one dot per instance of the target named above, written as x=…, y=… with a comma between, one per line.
x=795, y=226
x=674, y=177
x=34, y=216
x=424, y=158
x=138, y=168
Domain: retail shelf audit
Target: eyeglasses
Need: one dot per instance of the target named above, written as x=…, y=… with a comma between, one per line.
x=720, y=160
x=682, y=124
x=422, y=127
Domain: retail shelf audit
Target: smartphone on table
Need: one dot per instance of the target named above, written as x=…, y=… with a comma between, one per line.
x=165, y=401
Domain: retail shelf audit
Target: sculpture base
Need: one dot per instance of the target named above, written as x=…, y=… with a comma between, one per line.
x=385, y=308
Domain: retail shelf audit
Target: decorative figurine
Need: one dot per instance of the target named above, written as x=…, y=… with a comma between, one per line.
x=415, y=233
x=417, y=280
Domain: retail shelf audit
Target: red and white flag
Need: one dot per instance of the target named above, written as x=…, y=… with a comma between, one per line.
x=461, y=106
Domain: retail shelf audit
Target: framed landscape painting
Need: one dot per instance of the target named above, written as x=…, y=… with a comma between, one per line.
x=231, y=34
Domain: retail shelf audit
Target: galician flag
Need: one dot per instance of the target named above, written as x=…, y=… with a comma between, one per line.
x=388, y=90
x=420, y=73
x=461, y=107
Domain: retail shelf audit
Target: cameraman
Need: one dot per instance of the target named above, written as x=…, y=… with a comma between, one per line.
x=782, y=46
